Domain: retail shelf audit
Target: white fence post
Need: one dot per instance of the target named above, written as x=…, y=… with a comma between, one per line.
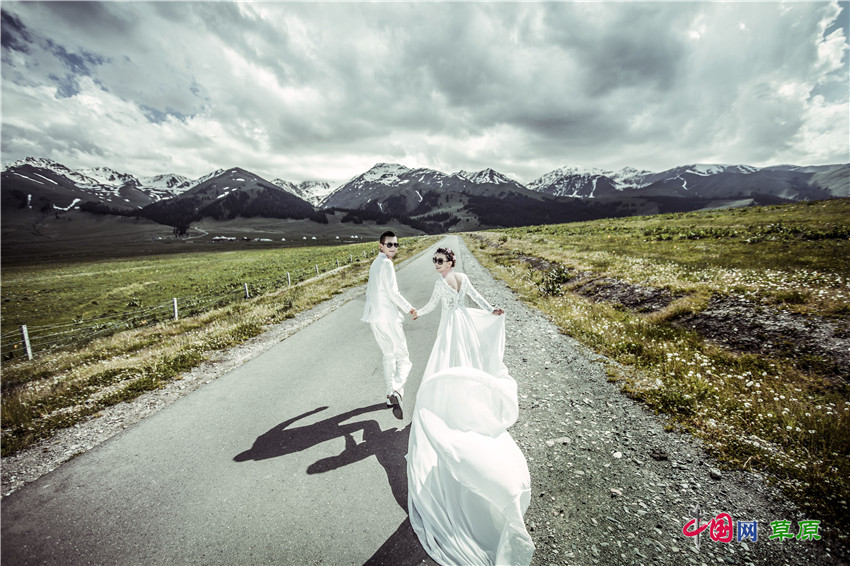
x=174, y=302
x=317, y=269
x=288, y=279
x=25, y=338
x=247, y=295
x=337, y=264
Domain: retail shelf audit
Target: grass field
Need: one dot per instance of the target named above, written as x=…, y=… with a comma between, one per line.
x=785, y=414
x=64, y=385
x=57, y=294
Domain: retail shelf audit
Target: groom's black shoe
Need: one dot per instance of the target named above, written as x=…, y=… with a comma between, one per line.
x=395, y=399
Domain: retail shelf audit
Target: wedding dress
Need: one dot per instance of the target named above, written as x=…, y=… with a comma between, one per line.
x=468, y=481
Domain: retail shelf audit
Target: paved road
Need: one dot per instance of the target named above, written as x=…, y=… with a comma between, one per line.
x=290, y=459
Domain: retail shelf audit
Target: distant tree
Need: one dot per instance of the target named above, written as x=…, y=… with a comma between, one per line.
x=319, y=216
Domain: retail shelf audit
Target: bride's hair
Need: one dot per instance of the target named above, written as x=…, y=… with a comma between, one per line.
x=450, y=255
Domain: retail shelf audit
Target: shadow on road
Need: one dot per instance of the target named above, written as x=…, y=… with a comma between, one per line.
x=401, y=549
x=282, y=440
x=388, y=446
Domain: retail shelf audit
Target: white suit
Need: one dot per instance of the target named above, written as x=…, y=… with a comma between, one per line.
x=383, y=311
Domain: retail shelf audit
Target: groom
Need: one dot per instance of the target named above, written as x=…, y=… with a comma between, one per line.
x=383, y=302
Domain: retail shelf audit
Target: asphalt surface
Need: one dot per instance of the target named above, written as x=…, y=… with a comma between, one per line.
x=292, y=458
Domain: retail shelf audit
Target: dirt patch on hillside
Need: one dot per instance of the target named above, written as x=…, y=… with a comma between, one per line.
x=639, y=298
x=633, y=297
x=739, y=324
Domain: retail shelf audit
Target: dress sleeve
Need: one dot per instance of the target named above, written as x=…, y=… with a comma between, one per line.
x=390, y=287
x=432, y=302
x=476, y=296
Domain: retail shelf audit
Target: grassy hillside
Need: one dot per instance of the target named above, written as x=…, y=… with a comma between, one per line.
x=733, y=323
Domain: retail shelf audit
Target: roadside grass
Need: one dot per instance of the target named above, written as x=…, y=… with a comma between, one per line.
x=772, y=414
x=61, y=388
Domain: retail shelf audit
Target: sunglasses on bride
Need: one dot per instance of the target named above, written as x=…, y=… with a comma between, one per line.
x=439, y=260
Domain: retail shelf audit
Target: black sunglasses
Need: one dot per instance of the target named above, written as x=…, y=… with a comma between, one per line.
x=439, y=260
x=391, y=244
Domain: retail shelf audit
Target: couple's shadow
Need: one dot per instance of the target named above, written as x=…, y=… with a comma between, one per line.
x=388, y=446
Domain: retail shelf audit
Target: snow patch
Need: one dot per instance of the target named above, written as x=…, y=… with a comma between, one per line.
x=46, y=179
x=69, y=207
x=706, y=170
x=28, y=179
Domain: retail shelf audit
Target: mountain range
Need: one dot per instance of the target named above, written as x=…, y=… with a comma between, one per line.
x=425, y=199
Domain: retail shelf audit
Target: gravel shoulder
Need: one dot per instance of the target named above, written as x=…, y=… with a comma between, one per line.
x=610, y=485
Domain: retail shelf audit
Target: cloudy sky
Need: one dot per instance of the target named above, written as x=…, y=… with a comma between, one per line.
x=325, y=90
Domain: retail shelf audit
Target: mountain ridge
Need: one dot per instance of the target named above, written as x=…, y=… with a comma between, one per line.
x=426, y=198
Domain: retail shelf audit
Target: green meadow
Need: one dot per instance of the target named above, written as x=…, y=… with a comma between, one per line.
x=56, y=294
x=784, y=413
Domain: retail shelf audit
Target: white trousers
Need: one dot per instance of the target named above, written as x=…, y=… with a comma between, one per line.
x=393, y=345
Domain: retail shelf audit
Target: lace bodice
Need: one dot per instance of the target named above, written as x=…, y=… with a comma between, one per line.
x=451, y=299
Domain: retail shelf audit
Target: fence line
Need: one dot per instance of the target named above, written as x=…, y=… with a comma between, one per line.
x=33, y=339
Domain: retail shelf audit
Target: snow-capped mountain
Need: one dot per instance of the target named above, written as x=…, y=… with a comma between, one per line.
x=391, y=187
x=629, y=177
x=165, y=186
x=55, y=186
x=168, y=181
x=40, y=163
x=103, y=183
x=382, y=182
x=229, y=194
x=383, y=173
x=572, y=182
x=311, y=191
x=697, y=181
x=487, y=176
x=108, y=177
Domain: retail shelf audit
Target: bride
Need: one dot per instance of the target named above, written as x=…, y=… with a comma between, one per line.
x=468, y=481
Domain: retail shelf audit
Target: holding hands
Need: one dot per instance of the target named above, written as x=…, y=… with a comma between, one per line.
x=498, y=312
x=414, y=314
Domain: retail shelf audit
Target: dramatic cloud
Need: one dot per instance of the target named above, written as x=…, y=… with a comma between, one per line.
x=326, y=90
